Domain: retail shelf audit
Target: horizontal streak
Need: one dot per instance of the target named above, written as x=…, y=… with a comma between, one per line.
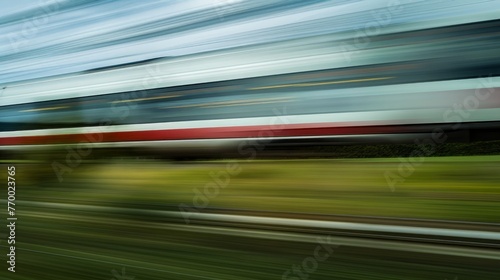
x=146, y=98
x=312, y=238
x=271, y=130
x=323, y=83
x=289, y=222
x=233, y=102
x=45, y=109
x=487, y=235
x=205, y=143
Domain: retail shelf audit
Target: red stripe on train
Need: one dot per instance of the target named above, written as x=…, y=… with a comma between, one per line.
x=204, y=133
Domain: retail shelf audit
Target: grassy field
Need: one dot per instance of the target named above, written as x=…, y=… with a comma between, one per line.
x=455, y=188
x=59, y=242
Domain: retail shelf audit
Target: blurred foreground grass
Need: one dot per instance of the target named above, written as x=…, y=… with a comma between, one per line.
x=58, y=242
x=455, y=188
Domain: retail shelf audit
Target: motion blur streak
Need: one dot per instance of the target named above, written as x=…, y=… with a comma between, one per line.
x=414, y=74
x=193, y=139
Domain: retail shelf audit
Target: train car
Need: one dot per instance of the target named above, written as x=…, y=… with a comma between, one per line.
x=406, y=84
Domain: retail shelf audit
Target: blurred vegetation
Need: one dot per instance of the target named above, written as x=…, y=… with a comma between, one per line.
x=59, y=242
x=402, y=150
x=455, y=188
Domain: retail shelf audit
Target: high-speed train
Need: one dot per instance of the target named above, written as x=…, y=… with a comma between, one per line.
x=395, y=86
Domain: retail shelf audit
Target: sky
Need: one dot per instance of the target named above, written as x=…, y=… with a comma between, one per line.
x=54, y=37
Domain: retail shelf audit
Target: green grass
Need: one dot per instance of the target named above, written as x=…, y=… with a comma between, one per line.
x=456, y=188
x=59, y=244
